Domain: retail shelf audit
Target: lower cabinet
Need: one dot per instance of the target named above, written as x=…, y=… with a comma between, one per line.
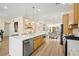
x=30, y=45
x=37, y=42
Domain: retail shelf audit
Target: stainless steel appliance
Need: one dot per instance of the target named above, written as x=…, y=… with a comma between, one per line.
x=27, y=47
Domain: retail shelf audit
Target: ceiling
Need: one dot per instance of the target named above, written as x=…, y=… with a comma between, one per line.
x=49, y=13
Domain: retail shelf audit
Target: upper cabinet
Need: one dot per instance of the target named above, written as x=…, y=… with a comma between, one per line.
x=65, y=19
x=73, y=15
x=66, y=30
x=78, y=15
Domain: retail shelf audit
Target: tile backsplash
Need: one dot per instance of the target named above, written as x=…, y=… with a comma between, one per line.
x=76, y=32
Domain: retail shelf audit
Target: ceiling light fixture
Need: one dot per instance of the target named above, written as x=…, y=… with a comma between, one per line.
x=63, y=3
x=26, y=20
x=38, y=9
x=5, y=7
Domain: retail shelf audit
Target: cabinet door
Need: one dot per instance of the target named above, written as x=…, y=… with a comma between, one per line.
x=65, y=23
x=78, y=15
x=35, y=44
x=71, y=18
x=73, y=15
x=41, y=39
x=38, y=42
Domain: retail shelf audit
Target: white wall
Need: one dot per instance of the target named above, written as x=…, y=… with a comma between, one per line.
x=4, y=20
x=6, y=29
x=1, y=24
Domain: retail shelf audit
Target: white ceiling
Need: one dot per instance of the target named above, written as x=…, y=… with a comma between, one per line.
x=49, y=12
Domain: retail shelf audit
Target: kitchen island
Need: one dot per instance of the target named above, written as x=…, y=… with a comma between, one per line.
x=25, y=45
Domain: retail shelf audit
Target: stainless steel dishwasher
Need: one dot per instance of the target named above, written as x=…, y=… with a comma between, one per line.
x=27, y=47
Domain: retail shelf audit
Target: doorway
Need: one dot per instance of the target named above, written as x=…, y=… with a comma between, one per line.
x=6, y=29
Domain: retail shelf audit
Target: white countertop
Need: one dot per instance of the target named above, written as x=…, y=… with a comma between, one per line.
x=74, y=47
x=30, y=35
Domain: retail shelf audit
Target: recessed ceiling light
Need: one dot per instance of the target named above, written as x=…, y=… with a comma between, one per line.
x=26, y=20
x=38, y=9
x=33, y=22
x=63, y=3
x=5, y=7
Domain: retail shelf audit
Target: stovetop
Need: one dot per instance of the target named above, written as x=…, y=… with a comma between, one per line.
x=72, y=37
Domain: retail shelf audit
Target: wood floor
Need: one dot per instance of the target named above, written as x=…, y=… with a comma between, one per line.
x=51, y=47
x=4, y=47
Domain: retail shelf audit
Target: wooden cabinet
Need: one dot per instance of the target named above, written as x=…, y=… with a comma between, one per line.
x=35, y=45
x=37, y=42
x=42, y=40
x=78, y=14
x=65, y=23
x=73, y=15
x=71, y=20
x=66, y=29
